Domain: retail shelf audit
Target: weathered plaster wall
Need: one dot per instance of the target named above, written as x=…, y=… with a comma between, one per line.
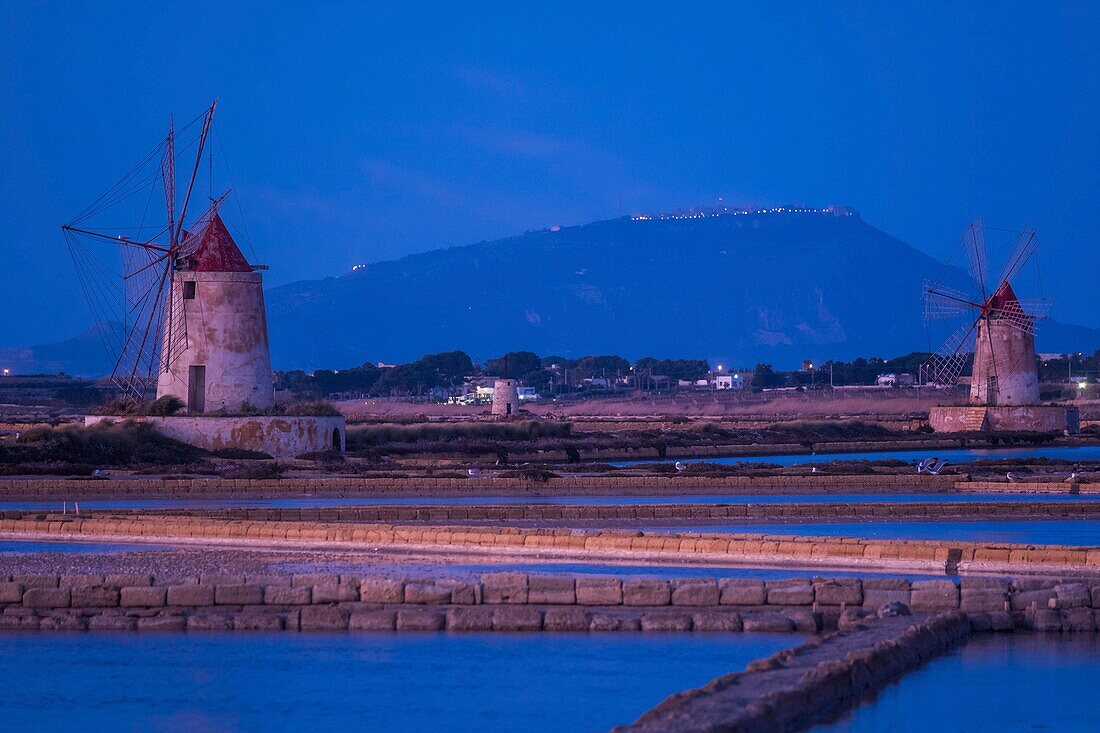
x=1008, y=353
x=224, y=328
x=278, y=436
x=1041, y=418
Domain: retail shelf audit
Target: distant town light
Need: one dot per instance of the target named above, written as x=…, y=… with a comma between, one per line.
x=719, y=368
x=7, y=372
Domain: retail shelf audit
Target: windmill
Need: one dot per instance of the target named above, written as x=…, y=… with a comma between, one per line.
x=996, y=333
x=143, y=297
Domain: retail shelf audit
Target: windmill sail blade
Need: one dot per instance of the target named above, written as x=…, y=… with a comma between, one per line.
x=1025, y=315
x=139, y=358
x=943, y=302
x=1027, y=241
x=977, y=255
x=949, y=361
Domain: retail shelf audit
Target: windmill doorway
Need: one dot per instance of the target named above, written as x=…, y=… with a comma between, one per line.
x=196, y=389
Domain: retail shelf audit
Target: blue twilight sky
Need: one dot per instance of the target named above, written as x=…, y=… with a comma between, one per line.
x=365, y=131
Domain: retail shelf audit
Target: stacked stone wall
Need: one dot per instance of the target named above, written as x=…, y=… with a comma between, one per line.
x=590, y=544
x=64, y=488
x=527, y=602
x=811, y=683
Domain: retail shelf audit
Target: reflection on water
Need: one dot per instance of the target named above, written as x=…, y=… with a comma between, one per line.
x=21, y=547
x=997, y=682
x=1077, y=532
x=372, y=682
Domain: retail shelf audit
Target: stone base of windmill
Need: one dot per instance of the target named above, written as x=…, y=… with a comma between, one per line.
x=977, y=418
x=279, y=436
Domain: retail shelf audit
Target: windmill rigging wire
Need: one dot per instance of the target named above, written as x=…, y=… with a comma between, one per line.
x=237, y=198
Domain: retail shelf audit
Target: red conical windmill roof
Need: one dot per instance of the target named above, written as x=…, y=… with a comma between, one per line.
x=216, y=251
x=1004, y=298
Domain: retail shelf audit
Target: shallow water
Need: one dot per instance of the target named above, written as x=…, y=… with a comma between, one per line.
x=320, y=503
x=1011, y=682
x=1076, y=532
x=677, y=571
x=372, y=682
x=21, y=547
x=951, y=455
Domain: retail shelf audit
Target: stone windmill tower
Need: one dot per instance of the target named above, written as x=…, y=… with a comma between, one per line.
x=215, y=347
x=505, y=394
x=193, y=306
x=997, y=337
x=190, y=309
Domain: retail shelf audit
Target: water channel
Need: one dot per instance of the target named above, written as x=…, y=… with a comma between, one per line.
x=375, y=682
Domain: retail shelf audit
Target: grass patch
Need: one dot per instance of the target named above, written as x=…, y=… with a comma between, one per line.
x=257, y=470
x=537, y=474
x=160, y=407
x=115, y=444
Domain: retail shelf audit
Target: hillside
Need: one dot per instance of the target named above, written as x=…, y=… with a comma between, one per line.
x=776, y=287
x=82, y=356
x=772, y=287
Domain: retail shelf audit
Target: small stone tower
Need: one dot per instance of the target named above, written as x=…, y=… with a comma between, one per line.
x=214, y=346
x=1005, y=370
x=505, y=397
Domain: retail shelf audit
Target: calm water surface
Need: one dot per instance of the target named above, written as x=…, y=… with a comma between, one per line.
x=1077, y=532
x=20, y=547
x=370, y=682
x=1011, y=682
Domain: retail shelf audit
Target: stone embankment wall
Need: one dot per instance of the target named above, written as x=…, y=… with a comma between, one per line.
x=68, y=488
x=588, y=544
x=760, y=450
x=810, y=683
x=525, y=602
x=662, y=513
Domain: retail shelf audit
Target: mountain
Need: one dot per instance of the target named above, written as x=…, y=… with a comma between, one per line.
x=775, y=287
x=82, y=356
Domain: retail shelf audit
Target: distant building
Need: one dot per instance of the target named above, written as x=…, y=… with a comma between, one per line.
x=735, y=381
x=895, y=380
x=505, y=397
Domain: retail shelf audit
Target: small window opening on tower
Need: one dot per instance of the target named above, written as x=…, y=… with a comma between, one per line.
x=189, y=290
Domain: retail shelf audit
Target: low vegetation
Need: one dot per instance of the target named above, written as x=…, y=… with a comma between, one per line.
x=304, y=408
x=108, y=444
x=160, y=407
x=256, y=470
x=537, y=474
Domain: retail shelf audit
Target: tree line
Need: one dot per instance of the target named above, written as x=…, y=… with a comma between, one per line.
x=554, y=374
